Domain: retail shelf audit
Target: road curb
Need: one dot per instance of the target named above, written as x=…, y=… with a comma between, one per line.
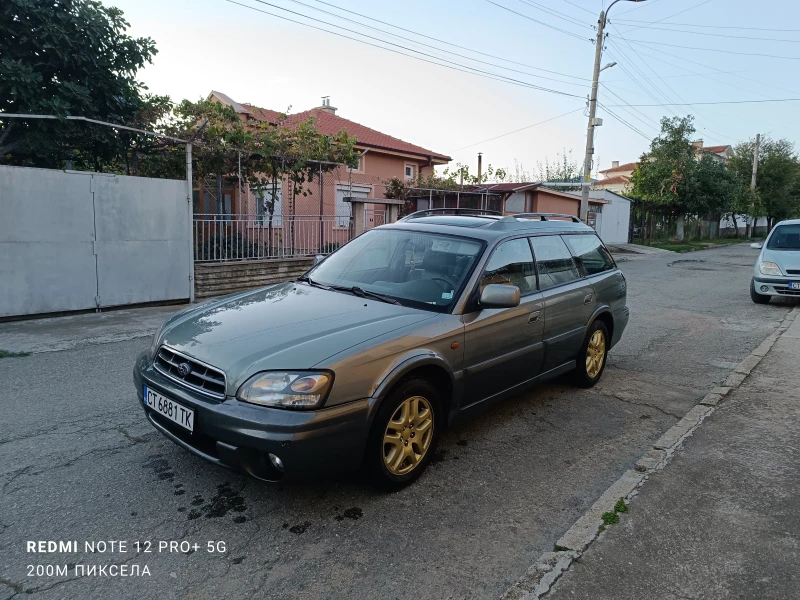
x=544, y=573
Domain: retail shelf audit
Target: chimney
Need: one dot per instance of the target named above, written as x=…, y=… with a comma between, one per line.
x=326, y=105
x=697, y=143
x=614, y=164
x=480, y=161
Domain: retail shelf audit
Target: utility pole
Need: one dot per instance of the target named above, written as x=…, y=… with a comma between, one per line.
x=587, y=161
x=753, y=184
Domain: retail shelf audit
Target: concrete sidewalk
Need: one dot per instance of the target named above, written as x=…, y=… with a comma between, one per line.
x=74, y=331
x=722, y=520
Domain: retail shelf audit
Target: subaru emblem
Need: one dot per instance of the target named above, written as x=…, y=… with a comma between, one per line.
x=184, y=369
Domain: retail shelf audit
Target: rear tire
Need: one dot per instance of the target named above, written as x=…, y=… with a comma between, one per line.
x=755, y=296
x=404, y=434
x=592, y=358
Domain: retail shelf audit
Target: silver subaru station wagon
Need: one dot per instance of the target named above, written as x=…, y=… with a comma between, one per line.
x=366, y=358
x=777, y=270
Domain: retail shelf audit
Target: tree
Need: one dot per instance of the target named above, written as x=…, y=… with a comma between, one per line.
x=684, y=182
x=68, y=57
x=777, y=193
x=563, y=169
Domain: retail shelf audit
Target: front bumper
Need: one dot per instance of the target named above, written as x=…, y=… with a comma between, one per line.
x=776, y=286
x=240, y=436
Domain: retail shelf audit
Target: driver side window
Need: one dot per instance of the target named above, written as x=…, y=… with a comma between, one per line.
x=511, y=263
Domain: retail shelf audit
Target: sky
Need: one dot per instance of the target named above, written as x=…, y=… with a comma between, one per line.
x=492, y=57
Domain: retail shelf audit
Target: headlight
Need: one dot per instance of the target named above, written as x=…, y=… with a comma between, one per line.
x=769, y=268
x=287, y=389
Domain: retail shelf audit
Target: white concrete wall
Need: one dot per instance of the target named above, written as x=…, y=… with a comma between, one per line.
x=74, y=241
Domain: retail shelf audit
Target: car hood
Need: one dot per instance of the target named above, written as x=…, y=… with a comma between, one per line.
x=785, y=259
x=285, y=326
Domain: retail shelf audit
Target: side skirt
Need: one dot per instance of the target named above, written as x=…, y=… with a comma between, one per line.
x=468, y=412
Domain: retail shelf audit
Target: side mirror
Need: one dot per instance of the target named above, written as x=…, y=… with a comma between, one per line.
x=757, y=245
x=317, y=259
x=497, y=295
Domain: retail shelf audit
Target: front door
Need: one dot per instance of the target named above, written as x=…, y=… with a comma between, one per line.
x=503, y=346
x=568, y=300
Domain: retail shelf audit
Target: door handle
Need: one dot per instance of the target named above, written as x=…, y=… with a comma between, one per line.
x=533, y=317
x=587, y=299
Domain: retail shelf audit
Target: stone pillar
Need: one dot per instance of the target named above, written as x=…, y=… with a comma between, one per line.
x=393, y=212
x=358, y=217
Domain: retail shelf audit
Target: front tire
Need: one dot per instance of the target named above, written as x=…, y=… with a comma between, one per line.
x=404, y=434
x=755, y=296
x=593, y=355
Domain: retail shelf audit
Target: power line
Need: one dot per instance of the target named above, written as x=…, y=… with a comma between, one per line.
x=713, y=26
x=674, y=93
x=581, y=7
x=733, y=73
x=569, y=19
x=716, y=50
x=673, y=15
x=717, y=102
x=518, y=130
x=524, y=16
x=722, y=35
x=427, y=45
x=352, y=12
x=643, y=118
x=645, y=5
x=623, y=121
x=463, y=68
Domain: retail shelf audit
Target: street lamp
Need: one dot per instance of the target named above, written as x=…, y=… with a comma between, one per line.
x=587, y=163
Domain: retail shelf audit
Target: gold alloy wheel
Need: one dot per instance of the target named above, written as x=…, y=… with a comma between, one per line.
x=595, y=354
x=408, y=435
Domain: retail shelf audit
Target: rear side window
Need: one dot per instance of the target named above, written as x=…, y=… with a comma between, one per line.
x=554, y=261
x=589, y=253
x=511, y=263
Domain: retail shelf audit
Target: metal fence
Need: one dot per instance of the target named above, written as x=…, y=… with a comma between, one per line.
x=242, y=237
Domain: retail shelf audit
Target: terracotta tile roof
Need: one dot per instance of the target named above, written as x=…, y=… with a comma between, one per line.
x=715, y=149
x=263, y=114
x=626, y=167
x=617, y=179
x=329, y=124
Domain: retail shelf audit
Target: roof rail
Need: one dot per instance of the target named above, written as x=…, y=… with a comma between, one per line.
x=544, y=216
x=454, y=211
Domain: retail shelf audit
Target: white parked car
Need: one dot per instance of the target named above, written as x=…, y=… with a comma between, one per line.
x=777, y=270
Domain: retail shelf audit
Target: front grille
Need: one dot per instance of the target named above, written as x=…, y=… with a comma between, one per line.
x=200, y=377
x=793, y=271
x=787, y=292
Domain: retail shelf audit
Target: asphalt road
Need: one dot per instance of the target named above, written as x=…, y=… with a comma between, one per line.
x=79, y=462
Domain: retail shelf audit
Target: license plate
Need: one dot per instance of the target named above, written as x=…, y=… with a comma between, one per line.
x=794, y=285
x=170, y=409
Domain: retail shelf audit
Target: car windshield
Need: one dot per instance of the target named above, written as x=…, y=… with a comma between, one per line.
x=418, y=269
x=785, y=237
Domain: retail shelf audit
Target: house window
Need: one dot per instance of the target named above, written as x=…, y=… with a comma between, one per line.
x=343, y=191
x=267, y=205
x=410, y=171
x=359, y=164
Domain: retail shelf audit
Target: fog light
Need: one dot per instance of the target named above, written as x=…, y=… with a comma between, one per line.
x=276, y=462
x=764, y=288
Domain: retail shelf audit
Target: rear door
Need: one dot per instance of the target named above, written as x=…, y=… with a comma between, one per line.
x=503, y=346
x=568, y=300
x=594, y=261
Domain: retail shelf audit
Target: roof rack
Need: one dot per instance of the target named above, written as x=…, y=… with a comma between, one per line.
x=453, y=211
x=544, y=216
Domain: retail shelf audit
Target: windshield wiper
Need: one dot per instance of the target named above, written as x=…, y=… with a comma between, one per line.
x=311, y=282
x=367, y=294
